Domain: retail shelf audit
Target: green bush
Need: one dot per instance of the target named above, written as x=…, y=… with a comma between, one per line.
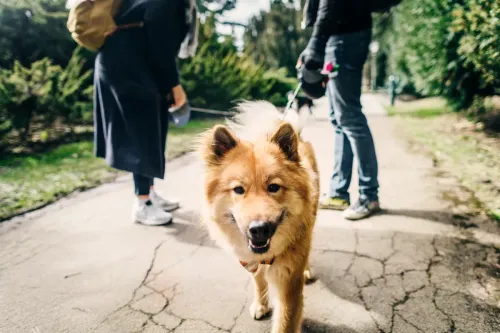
x=220, y=79
x=479, y=23
x=445, y=47
x=42, y=92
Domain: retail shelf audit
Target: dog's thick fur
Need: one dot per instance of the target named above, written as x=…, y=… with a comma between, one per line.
x=252, y=152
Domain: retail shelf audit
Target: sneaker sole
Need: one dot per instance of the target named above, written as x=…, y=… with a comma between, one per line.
x=333, y=207
x=155, y=224
x=360, y=217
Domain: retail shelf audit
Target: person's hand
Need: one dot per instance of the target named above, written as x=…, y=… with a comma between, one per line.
x=313, y=57
x=179, y=96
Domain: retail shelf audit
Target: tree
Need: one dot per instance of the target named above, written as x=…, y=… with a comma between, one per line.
x=215, y=6
x=218, y=76
x=43, y=92
x=479, y=23
x=444, y=47
x=31, y=30
x=275, y=38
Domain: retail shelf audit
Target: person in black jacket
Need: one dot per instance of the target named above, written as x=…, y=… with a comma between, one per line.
x=135, y=70
x=341, y=35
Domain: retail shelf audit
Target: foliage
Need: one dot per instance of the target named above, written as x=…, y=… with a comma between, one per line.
x=218, y=76
x=215, y=6
x=479, y=22
x=444, y=47
x=45, y=78
x=275, y=38
x=44, y=92
x=31, y=30
x=218, y=80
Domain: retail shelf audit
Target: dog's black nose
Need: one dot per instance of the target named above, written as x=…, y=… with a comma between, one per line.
x=259, y=231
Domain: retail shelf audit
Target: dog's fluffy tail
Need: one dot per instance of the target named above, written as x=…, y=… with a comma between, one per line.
x=260, y=118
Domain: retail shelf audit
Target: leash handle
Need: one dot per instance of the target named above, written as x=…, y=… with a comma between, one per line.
x=327, y=69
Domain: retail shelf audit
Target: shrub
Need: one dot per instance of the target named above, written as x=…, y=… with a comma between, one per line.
x=219, y=79
x=42, y=92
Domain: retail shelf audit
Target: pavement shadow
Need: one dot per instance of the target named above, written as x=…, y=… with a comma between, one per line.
x=187, y=228
x=313, y=326
x=458, y=220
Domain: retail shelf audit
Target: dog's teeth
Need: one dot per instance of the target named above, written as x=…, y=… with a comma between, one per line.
x=257, y=246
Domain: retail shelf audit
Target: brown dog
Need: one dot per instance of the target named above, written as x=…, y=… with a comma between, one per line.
x=261, y=198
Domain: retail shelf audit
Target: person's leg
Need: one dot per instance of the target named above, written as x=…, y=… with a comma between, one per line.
x=145, y=210
x=338, y=196
x=142, y=185
x=350, y=54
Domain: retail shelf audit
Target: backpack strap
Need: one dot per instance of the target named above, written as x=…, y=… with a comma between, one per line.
x=125, y=27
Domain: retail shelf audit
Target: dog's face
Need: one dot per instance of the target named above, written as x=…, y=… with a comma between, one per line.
x=256, y=191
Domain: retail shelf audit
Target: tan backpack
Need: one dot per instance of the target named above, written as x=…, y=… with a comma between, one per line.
x=91, y=21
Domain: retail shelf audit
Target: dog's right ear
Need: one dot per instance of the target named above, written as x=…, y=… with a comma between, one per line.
x=217, y=142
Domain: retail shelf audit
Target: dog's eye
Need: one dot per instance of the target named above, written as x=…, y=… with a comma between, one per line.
x=239, y=190
x=273, y=188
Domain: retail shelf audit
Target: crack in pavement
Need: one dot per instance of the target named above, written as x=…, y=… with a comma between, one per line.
x=411, y=324
x=435, y=291
x=134, y=293
x=411, y=292
x=198, y=320
x=362, y=298
x=407, y=293
x=451, y=321
x=409, y=287
x=401, y=302
x=355, y=253
x=146, y=284
x=151, y=265
x=242, y=308
x=361, y=282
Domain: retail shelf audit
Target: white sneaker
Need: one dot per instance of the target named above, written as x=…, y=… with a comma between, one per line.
x=149, y=214
x=167, y=205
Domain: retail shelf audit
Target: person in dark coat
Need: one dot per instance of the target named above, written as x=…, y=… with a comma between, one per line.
x=135, y=71
x=341, y=36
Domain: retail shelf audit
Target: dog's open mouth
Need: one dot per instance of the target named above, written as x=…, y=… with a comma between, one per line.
x=259, y=247
x=260, y=234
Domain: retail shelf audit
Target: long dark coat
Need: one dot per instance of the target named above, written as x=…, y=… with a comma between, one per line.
x=134, y=71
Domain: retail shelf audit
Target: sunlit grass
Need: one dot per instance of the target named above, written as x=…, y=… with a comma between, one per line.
x=30, y=182
x=461, y=147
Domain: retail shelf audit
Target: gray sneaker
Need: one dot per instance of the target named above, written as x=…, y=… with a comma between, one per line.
x=166, y=205
x=361, y=209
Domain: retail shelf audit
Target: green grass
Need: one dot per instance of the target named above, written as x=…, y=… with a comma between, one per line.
x=460, y=147
x=179, y=140
x=423, y=108
x=27, y=183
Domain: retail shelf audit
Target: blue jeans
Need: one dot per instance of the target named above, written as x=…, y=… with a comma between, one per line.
x=352, y=134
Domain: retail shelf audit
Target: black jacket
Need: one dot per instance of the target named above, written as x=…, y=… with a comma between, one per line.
x=330, y=17
x=134, y=70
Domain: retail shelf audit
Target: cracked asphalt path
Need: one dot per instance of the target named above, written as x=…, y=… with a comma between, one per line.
x=81, y=266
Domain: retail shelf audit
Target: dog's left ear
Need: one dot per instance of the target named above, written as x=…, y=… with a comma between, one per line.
x=216, y=143
x=286, y=138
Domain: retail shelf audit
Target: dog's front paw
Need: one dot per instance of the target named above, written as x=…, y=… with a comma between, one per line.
x=259, y=311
